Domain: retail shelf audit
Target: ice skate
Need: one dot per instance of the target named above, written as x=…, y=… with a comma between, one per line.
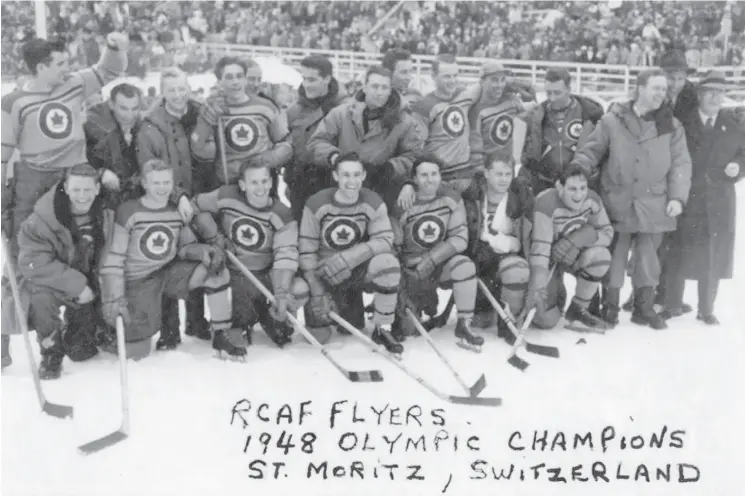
x=51, y=366
x=382, y=336
x=221, y=343
x=467, y=339
x=167, y=342
x=199, y=330
x=279, y=332
x=580, y=319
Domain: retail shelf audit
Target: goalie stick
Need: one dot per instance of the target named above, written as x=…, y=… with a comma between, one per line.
x=53, y=409
x=519, y=339
x=478, y=386
x=353, y=376
x=459, y=400
x=123, y=432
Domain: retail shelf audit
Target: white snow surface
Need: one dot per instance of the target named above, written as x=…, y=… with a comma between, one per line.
x=637, y=380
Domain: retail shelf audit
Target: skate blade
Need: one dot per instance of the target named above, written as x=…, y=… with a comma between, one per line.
x=469, y=347
x=585, y=329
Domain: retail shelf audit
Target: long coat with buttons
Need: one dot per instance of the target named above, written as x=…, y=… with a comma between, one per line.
x=645, y=165
x=706, y=230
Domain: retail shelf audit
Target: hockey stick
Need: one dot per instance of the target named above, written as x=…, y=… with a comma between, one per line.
x=53, y=409
x=354, y=376
x=123, y=432
x=459, y=400
x=478, y=386
x=442, y=319
x=221, y=144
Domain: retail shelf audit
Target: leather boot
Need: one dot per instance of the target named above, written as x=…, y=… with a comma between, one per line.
x=644, y=312
x=611, y=300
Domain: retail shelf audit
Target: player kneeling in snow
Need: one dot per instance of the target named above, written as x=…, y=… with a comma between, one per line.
x=263, y=234
x=570, y=228
x=61, y=244
x=500, y=211
x=431, y=236
x=346, y=247
x=153, y=253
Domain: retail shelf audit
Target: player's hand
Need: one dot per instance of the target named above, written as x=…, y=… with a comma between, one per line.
x=212, y=110
x=534, y=298
x=320, y=307
x=213, y=259
x=225, y=243
x=425, y=268
x=406, y=197
x=565, y=252
x=110, y=180
x=732, y=170
x=112, y=309
x=279, y=310
x=185, y=209
x=335, y=270
x=674, y=208
x=119, y=41
x=86, y=296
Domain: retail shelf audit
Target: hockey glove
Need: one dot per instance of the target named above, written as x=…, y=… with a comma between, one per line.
x=216, y=262
x=319, y=308
x=565, y=252
x=534, y=298
x=112, y=309
x=335, y=270
x=425, y=268
x=279, y=311
x=584, y=236
x=281, y=282
x=225, y=243
x=212, y=110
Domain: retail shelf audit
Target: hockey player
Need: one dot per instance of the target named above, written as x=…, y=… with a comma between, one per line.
x=254, y=130
x=61, y=245
x=377, y=128
x=346, y=247
x=431, y=237
x=44, y=120
x=491, y=119
x=499, y=208
x=398, y=61
x=554, y=130
x=444, y=114
x=571, y=229
x=152, y=253
x=262, y=233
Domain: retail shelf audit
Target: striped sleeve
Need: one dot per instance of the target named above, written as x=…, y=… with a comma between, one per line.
x=309, y=240
x=380, y=231
x=115, y=255
x=110, y=66
x=457, y=234
x=285, y=246
x=543, y=232
x=397, y=223
x=600, y=221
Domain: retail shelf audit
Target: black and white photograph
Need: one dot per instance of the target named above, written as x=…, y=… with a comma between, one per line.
x=329, y=248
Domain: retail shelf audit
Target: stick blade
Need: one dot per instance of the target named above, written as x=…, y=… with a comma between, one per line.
x=518, y=363
x=547, y=351
x=366, y=376
x=102, y=443
x=59, y=411
x=478, y=386
x=462, y=400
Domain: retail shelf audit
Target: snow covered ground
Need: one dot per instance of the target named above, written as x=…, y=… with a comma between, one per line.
x=631, y=383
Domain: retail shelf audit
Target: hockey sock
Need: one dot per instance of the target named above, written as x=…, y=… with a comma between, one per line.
x=221, y=308
x=585, y=290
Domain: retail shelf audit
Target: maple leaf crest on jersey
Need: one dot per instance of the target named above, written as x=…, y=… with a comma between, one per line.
x=428, y=230
x=454, y=121
x=241, y=134
x=501, y=129
x=55, y=120
x=157, y=242
x=574, y=129
x=247, y=233
x=342, y=232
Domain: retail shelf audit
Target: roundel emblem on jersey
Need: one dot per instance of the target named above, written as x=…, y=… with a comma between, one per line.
x=247, y=233
x=241, y=134
x=342, y=233
x=501, y=129
x=55, y=120
x=428, y=231
x=156, y=242
x=454, y=121
x=572, y=226
x=574, y=129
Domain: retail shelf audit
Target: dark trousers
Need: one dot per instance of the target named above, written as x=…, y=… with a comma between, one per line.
x=674, y=281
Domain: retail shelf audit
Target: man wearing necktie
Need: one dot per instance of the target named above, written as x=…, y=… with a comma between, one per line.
x=704, y=243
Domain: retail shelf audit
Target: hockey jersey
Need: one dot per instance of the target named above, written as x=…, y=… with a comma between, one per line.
x=144, y=241
x=250, y=129
x=263, y=237
x=427, y=224
x=47, y=128
x=362, y=229
x=448, y=129
x=552, y=220
x=491, y=126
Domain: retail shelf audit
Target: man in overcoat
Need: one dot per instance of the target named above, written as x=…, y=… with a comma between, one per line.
x=704, y=244
x=644, y=185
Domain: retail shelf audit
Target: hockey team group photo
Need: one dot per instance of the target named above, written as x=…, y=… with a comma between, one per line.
x=404, y=199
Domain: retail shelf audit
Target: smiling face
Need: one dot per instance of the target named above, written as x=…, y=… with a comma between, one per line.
x=653, y=93
x=233, y=81
x=499, y=176
x=82, y=191
x=402, y=75
x=315, y=85
x=56, y=71
x=349, y=176
x=256, y=184
x=427, y=179
x=158, y=185
x=574, y=192
x=125, y=110
x=176, y=92
x=446, y=79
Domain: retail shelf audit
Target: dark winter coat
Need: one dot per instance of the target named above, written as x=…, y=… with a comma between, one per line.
x=519, y=209
x=47, y=247
x=706, y=229
x=647, y=166
x=687, y=102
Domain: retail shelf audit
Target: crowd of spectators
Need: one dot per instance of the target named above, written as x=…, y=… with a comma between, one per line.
x=165, y=33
